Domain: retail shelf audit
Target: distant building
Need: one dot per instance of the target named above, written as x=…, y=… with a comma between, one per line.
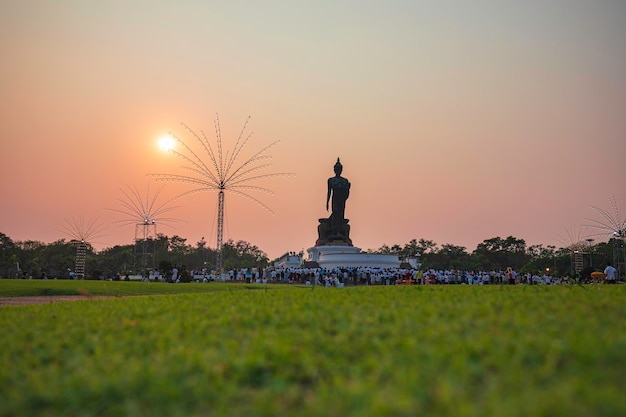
x=289, y=260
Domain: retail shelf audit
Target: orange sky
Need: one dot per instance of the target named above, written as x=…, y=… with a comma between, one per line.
x=455, y=123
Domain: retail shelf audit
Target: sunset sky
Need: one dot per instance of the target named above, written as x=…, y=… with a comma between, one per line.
x=455, y=121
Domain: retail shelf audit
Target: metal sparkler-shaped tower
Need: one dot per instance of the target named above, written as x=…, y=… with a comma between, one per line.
x=613, y=225
x=576, y=244
x=224, y=172
x=145, y=214
x=81, y=232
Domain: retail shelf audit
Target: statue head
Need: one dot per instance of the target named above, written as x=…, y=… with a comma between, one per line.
x=338, y=167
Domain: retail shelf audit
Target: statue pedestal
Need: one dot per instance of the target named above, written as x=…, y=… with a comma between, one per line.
x=344, y=256
x=319, y=253
x=326, y=235
x=333, y=249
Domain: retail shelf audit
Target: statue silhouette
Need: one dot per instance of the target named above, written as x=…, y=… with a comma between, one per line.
x=335, y=230
x=339, y=190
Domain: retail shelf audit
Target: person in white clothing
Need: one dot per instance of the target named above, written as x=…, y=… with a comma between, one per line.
x=174, y=274
x=610, y=273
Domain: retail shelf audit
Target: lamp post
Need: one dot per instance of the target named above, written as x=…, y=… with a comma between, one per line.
x=590, y=241
x=202, y=243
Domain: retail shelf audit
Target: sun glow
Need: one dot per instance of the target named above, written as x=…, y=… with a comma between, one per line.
x=166, y=143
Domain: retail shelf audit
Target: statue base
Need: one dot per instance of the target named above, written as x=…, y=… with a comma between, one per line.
x=327, y=235
x=343, y=256
x=334, y=249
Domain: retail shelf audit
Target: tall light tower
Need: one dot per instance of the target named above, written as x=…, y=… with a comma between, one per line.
x=613, y=225
x=81, y=232
x=145, y=214
x=79, y=264
x=223, y=172
x=145, y=243
x=573, y=241
x=220, y=230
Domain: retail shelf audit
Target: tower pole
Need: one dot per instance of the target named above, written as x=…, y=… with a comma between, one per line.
x=220, y=231
x=79, y=267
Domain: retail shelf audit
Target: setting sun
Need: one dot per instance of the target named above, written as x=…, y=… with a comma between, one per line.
x=166, y=143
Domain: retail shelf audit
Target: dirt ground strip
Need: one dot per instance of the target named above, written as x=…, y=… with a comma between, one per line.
x=19, y=301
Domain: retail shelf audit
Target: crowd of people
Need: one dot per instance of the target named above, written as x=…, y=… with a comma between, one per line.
x=399, y=276
x=339, y=277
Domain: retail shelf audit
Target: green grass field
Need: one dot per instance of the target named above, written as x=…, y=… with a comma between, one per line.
x=297, y=351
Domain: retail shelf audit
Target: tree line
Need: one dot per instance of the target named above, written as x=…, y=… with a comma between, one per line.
x=499, y=253
x=33, y=258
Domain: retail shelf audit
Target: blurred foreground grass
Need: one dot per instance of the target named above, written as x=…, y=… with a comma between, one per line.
x=285, y=351
x=32, y=288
